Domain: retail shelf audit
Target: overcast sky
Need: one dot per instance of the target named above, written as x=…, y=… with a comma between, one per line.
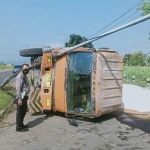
x=39, y=23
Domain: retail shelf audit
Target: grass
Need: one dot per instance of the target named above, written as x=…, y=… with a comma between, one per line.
x=6, y=98
x=3, y=67
x=140, y=73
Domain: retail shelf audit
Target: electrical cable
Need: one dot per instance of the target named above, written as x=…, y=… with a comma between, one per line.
x=134, y=45
x=116, y=19
x=123, y=21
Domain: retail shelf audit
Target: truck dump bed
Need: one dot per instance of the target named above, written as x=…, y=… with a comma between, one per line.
x=108, y=82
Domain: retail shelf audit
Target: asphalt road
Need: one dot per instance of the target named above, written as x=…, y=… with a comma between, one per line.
x=4, y=74
x=114, y=131
x=109, y=132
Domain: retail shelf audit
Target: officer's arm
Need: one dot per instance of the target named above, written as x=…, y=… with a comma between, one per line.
x=18, y=88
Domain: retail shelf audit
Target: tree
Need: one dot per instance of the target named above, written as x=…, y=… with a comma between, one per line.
x=135, y=59
x=148, y=60
x=145, y=7
x=126, y=59
x=77, y=39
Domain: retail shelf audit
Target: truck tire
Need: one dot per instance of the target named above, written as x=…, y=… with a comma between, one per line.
x=31, y=52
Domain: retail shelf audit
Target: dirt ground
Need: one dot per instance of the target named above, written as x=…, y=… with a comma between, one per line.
x=114, y=131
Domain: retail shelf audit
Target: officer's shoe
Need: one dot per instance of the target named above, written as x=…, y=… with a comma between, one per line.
x=25, y=126
x=20, y=129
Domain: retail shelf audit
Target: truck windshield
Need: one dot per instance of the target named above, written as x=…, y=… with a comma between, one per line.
x=79, y=82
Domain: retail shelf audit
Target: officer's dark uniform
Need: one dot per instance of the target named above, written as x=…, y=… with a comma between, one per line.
x=22, y=86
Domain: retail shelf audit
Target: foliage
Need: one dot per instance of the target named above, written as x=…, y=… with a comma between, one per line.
x=77, y=39
x=138, y=59
x=141, y=73
x=136, y=64
x=135, y=59
x=5, y=99
x=145, y=7
x=148, y=60
x=126, y=59
x=2, y=67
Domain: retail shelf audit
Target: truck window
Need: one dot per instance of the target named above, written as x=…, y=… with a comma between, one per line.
x=79, y=81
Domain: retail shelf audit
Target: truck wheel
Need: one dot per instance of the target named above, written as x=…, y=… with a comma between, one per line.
x=31, y=52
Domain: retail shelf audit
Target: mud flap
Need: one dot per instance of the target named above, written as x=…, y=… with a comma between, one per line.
x=35, y=105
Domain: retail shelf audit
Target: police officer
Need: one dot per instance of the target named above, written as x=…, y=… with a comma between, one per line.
x=22, y=90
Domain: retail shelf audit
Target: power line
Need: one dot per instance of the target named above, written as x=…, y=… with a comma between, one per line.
x=124, y=20
x=116, y=19
x=134, y=45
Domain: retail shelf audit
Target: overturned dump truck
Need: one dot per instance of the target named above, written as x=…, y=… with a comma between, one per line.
x=85, y=81
x=76, y=80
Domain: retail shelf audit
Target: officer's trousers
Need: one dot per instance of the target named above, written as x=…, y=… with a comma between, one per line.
x=21, y=112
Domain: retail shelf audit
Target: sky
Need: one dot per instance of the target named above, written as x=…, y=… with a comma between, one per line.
x=39, y=23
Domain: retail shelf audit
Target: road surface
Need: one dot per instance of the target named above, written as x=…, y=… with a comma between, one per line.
x=4, y=74
x=108, y=132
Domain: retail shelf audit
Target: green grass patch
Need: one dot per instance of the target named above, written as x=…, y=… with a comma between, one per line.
x=139, y=72
x=2, y=67
x=5, y=98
